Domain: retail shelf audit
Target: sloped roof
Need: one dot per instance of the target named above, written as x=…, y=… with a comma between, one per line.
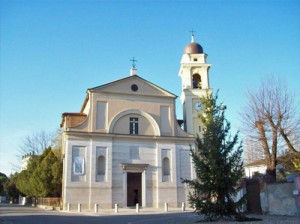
x=259, y=162
x=155, y=87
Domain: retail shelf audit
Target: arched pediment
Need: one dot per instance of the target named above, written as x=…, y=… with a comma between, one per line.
x=147, y=124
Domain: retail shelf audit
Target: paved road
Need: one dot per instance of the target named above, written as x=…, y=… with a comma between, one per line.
x=15, y=214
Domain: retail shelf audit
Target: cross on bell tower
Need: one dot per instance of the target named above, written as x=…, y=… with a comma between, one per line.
x=192, y=32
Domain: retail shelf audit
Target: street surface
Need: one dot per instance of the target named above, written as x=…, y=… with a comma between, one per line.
x=16, y=214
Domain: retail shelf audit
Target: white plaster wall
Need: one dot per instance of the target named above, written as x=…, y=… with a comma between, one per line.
x=111, y=190
x=252, y=169
x=101, y=191
x=184, y=171
x=167, y=191
x=87, y=107
x=121, y=154
x=87, y=192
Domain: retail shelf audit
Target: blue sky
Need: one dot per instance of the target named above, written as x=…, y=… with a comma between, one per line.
x=51, y=51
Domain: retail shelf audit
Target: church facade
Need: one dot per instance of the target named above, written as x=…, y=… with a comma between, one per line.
x=126, y=146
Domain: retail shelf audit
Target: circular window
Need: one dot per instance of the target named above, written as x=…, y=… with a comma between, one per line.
x=134, y=87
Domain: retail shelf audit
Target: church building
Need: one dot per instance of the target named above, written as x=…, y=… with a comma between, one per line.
x=125, y=146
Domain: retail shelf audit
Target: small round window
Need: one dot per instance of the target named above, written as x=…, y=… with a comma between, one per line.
x=134, y=87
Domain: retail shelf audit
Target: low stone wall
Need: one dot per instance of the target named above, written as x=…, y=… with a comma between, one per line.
x=278, y=199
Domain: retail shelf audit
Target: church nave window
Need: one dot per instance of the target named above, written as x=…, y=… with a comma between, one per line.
x=133, y=125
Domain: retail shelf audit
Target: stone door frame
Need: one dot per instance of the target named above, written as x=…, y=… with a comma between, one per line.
x=134, y=168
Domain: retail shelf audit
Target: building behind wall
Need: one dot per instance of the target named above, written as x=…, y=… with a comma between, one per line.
x=125, y=145
x=25, y=160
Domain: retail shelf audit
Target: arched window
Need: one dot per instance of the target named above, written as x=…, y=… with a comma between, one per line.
x=197, y=84
x=166, y=166
x=101, y=165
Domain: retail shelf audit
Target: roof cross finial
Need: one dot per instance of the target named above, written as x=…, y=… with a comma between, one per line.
x=192, y=31
x=133, y=62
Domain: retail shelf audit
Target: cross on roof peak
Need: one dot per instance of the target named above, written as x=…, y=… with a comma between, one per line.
x=133, y=62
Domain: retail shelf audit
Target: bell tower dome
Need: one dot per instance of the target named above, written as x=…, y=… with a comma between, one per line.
x=195, y=83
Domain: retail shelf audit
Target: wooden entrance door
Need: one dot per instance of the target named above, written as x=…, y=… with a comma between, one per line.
x=134, y=189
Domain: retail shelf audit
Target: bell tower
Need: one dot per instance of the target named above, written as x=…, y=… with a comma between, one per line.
x=195, y=83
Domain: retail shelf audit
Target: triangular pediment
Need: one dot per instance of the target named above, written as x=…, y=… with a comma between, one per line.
x=133, y=85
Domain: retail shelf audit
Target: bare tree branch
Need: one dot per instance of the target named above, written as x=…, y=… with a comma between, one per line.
x=270, y=116
x=36, y=143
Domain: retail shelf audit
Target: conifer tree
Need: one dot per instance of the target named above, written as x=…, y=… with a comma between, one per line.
x=218, y=165
x=43, y=176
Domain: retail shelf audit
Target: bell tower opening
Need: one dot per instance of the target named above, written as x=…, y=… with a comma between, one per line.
x=197, y=83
